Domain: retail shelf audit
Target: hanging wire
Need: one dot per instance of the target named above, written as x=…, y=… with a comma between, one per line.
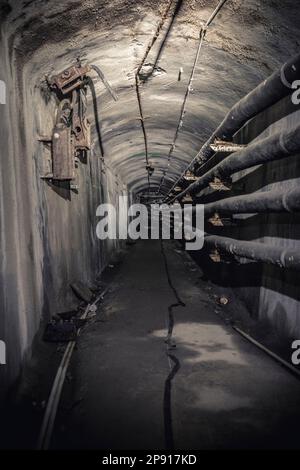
x=180, y=122
x=183, y=107
x=137, y=83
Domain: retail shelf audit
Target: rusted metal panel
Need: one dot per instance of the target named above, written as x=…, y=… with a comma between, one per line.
x=70, y=79
x=62, y=153
x=82, y=133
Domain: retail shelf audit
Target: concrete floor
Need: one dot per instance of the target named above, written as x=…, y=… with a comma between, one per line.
x=226, y=393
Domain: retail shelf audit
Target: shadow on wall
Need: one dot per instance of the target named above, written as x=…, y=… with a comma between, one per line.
x=249, y=280
x=61, y=188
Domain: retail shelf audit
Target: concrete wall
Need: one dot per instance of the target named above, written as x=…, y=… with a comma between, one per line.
x=48, y=232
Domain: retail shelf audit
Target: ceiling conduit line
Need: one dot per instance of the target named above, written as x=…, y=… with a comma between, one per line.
x=137, y=85
x=267, y=93
x=183, y=107
x=202, y=34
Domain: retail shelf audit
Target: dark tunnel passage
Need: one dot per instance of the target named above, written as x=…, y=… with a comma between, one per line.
x=149, y=224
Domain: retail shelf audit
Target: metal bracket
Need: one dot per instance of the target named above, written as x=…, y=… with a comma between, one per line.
x=221, y=185
x=226, y=147
x=189, y=176
x=217, y=257
x=70, y=79
x=82, y=133
x=218, y=221
x=187, y=199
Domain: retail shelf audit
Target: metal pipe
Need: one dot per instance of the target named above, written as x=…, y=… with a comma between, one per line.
x=278, y=85
x=258, y=202
x=267, y=93
x=275, y=147
x=256, y=251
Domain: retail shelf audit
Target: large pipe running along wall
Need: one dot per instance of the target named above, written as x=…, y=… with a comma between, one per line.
x=256, y=251
x=269, y=201
x=276, y=147
x=269, y=92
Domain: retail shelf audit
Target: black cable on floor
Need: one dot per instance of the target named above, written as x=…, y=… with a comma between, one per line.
x=168, y=424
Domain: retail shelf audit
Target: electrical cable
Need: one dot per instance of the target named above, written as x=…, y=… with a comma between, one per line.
x=137, y=84
x=183, y=107
x=105, y=82
x=180, y=122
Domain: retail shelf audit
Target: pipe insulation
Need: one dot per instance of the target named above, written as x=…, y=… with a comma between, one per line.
x=258, y=202
x=275, y=147
x=277, y=86
x=267, y=93
x=256, y=251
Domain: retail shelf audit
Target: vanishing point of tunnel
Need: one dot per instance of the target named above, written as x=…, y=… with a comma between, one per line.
x=149, y=226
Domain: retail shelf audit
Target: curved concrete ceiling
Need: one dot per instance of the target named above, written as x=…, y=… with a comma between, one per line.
x=245, y=43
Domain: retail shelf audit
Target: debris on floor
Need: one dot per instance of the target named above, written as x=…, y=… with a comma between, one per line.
x=67, y=315
x=130, y=242
x=60, y=332
x=92, y=311
x=223, y=300
x=82, y=291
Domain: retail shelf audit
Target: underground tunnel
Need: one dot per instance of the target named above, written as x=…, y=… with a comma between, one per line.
x=149, y=225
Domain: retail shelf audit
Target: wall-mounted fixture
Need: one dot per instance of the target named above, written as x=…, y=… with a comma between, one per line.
x=71, y=136
x=70, y=79
x=76, y=77
x=62, y=144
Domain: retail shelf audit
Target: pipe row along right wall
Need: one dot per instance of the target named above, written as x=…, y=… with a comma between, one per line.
x=271, y=293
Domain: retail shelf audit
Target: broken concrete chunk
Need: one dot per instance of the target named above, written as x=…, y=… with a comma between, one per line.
x=82, y=291
x=223, y=300
x=130, y=242
x=60, y=332
x=67, y=315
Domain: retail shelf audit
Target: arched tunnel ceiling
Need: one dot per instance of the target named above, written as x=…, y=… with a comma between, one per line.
x=245, y=43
